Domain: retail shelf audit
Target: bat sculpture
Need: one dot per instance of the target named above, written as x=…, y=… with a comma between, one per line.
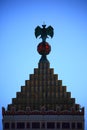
x=44, y=32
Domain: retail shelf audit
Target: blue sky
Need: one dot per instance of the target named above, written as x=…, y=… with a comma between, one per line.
x=18, y=45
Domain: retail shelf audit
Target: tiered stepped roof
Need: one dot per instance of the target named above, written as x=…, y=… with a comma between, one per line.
x=43, y=91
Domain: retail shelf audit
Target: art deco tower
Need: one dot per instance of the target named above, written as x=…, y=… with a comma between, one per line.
x=43, y=103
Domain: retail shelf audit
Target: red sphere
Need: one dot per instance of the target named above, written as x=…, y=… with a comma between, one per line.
x=43, y=48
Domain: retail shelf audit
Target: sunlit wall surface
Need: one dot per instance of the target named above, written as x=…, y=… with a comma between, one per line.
x=18, y=53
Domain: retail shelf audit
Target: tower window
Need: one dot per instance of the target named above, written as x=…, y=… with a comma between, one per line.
x=58, y=125
x=35, y=125
x=79, y=125
x=73, y=125
x=50, y=125
x=20, y=125
x=12, y=125
x=6, y=125
x=28, y=125
x=65, y=125
x=43, y=125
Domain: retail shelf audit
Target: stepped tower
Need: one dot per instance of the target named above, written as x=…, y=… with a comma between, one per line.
x=43, y=102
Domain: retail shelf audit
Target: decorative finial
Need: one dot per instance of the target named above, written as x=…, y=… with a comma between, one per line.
x=44, y=48
x=44, y=32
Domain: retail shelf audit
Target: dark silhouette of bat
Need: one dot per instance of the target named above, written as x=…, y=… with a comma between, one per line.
x=44, y=32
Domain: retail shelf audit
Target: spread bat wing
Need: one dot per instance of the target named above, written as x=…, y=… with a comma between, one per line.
x=38, y=31
x=50, y=31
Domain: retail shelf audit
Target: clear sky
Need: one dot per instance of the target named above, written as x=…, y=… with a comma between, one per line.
x=18, y=45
